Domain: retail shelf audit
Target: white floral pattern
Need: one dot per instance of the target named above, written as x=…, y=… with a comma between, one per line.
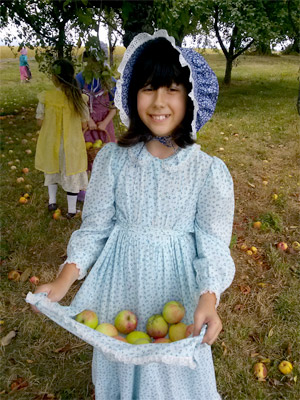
x=150, y=239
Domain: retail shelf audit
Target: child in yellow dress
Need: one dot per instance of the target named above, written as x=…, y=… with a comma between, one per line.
x=62, y=113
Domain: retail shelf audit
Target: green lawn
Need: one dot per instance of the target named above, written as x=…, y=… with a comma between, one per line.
x=255, y=130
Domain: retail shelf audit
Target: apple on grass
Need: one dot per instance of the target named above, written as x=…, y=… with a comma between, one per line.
x=156, y=326
x=136, y=335
x=88, y=318
x=260, y=371
x=173, y=312
x=126, y=321
x=282, y=246
x=177, y=332
x=107, y=329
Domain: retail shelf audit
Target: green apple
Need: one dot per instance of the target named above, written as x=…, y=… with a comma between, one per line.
x=126, y=321
x=173, y=312
x=177, y=331
x=88, y=318
x=135, y=335
x=107, y=329
x=97, y=144
x=88, y=145
x=156, y=326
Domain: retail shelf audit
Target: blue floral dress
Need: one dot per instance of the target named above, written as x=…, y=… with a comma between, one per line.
x=154, y=230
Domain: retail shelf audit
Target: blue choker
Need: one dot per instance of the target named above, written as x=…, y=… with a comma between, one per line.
x=166, y=140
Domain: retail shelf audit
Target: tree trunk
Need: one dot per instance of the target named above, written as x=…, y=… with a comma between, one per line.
x=227, y=78
x=110, y=46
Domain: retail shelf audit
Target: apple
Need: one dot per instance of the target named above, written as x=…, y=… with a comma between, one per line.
x=156, y=326
x=34, y=279
x=28, y=151
x=135, y=335
x=13, y=167
x=162, y=340
x=260, y=371
x=25, y=170
x=24, y=141
x=107, y=329
x=88, y=318
x=282, y=246
x=244, y=247
x=275, y=196
x=173, y=312
x=10, y=151
x=20, y=180
x=142, y=341
x=14, y=275
x=97, y=144
x=285, y=367
x=189, y=330
x=296, y=246
x=57, y=214
x=249, y=252
x=88, y=145
x=177, y=331
x=23, y=200
x=26, y=195
x=121, y=338
x=257, y=225
x=253, y=249
x=126, y=321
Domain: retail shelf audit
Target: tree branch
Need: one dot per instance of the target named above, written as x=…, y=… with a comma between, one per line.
x=243, y=50
x=216, y=28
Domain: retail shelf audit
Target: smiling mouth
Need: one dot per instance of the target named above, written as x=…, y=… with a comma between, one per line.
x=160, y=117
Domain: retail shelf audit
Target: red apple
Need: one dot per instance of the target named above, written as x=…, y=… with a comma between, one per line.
x=13, y=275
x=126, y=321
x=162, y=340
x=35, y=280
x=282, y=246
x=121, y=338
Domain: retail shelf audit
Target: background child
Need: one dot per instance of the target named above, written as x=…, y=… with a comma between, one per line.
x=61, y=154
x=157, y=224
x=24, y=66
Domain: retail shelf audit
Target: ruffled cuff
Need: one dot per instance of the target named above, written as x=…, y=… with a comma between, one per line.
x=212, y=291
x=82, y=271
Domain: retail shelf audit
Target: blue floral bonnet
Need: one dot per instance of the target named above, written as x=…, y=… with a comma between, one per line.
x=205, y=87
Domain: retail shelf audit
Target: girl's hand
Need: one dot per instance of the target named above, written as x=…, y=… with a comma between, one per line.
x=206, y=313
x=92, y=125
x=57, y=289
x=101, y=126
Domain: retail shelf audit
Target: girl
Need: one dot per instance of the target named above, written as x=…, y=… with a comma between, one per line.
x=62, y=114
x=24, y=67
x=102, y=111
x=156, y=227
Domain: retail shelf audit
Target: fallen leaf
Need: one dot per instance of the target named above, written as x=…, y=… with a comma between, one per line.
x=224, y=348
x=251, y=184
x=8, y=338
x=245, y=289
x=271, y=331
x=252, y=355
x=25, y=275
x=18, y=384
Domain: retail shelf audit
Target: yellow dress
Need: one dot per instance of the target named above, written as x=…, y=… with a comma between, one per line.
x=61, y=152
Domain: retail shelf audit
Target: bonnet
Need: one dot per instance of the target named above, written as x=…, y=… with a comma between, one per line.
x=204, y=82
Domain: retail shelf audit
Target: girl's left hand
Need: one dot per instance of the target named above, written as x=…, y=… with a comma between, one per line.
x=206, y=313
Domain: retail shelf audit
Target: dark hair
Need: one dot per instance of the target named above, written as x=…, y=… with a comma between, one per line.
x=157, y=65
x=64, y=71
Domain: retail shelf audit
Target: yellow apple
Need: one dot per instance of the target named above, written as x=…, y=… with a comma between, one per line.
x=97, y=144
x=142, y=341
x=285, y=367
x=88, y=145
x=135, y=335
x=107, y=329
x=23, y=200
x=177, y=331
x=173, y=312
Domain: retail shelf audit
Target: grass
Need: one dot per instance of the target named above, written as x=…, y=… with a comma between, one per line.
x=255, y=131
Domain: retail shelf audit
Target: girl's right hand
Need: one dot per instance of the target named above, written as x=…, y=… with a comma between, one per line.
x=92, y=125
x=55, y=290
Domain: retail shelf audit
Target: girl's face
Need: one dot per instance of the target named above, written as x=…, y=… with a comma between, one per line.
x=162, y=109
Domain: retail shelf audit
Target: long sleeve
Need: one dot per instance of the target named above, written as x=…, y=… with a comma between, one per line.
x=86, y=244
x=213, y=228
